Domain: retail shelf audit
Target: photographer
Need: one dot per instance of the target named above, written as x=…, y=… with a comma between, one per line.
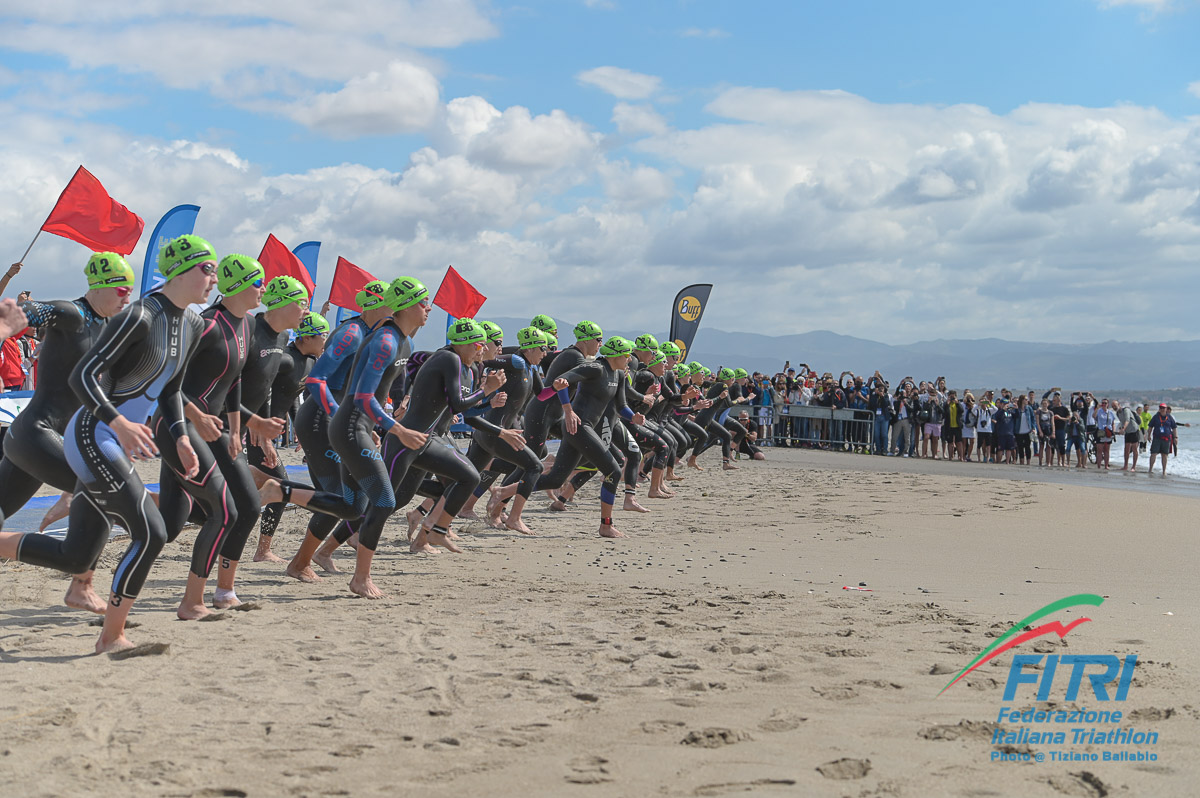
x=880, y=408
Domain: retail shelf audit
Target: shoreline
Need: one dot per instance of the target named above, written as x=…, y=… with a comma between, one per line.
x=714, y=652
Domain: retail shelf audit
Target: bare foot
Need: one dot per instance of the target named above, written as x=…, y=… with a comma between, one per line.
x=60, y=510
x=264, y=553
x=632, y=506
x=325, y=560
x=495, y=513
x=192, y=612
x=421, y=544
x=551, y=495
x=468, y=514
x=660, y=494
x=609, y=531
x=517, y=525
x=81, y=596
x=692, y=464
x=363, y=586
x=729, y=467
x=558, y=506
x=438, y=539
x=414, y=518
x=673, y=478
x=271, y=492
x=121, y=643
x=305, y=574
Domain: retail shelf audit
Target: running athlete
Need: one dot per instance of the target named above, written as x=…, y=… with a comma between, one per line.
x=326, y=386
x=522, y=380
x=294, y=368
x=547, y=325
x=210, y=389
x=33, y=447
x=139, y=360
x=718, y=394
x=648, y=381
x=442, y=388
x=675, y=391
x=379, y=361
x=599, y=383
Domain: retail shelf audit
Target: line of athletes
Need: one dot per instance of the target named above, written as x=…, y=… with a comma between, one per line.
x=209, y=393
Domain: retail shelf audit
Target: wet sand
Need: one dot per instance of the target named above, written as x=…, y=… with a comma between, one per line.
x=714, y=652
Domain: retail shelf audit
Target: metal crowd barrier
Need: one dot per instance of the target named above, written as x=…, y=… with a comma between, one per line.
x=824, y=427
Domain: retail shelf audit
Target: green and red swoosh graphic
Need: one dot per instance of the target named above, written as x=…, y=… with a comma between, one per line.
x=1003, y=643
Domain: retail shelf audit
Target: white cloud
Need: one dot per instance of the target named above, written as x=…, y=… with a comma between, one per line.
x=1155, y=5
x=517, y=141
x=703, y=33
x=621, y=83
x=635, y=187
x=402, y=98
x=634, y=120
x=1194, y=88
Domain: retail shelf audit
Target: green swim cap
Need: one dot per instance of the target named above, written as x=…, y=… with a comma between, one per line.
x=372, y=295
x=492, y=331
x=706, y=371
x=682, y=372
x=312, y=324
x=669, y=349
x=530, y=338
x=588, y=331
x=236, y=273
x=465, y=331
x=284, y=289
x=659, y=357
x=695, y=368
x=404, y=292
x=740, y=374
x=544, y=323
x=616, y=347
x=180, y=254
x=645, y=343
x=551, y=341
x=108, y=270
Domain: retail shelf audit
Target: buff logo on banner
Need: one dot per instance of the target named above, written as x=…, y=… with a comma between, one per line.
x=685, y=316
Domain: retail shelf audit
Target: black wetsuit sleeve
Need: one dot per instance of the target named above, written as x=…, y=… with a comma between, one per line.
x=59, y=314
x=482, y=424
x=584, y=371
x=127, y=330
x=454, y=396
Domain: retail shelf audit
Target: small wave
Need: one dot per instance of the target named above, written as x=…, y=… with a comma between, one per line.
x=1186, y=465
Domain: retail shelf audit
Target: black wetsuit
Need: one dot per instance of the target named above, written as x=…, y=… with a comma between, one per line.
x=33, y=447
x=707, y=420
x=138, y=361
x=294, y=368
x=442, y=388
x=211, y=383
x=364, y=479
x=522, y=382
x=598, y=386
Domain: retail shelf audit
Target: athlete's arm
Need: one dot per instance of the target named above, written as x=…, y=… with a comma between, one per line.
x=336, y=351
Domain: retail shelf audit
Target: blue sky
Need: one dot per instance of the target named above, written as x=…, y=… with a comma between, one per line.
x=901, y=161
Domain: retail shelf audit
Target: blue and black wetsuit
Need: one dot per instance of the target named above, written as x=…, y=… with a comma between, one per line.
x=326, y=386
x=33, y=447
x=138, y=361
x=364, y=479
x=211, y=383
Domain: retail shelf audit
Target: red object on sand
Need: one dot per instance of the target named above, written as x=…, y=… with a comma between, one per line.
x=348, y=280
x=458, y=297
x=277, y=260
x=86, y=214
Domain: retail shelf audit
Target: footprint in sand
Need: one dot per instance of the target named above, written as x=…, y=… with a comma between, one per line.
x=1084, y=784
x=741, y=786
x=143, y=650
x=781, y=722
x=845, y=768
x=588, y=769
x=714, y=737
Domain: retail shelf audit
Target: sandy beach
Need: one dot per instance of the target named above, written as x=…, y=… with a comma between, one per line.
x=715, y=652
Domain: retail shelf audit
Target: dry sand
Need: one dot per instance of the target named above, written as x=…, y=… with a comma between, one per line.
x=715, y=652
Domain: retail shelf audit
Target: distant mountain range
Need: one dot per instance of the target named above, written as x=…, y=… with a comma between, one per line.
x=977, y=363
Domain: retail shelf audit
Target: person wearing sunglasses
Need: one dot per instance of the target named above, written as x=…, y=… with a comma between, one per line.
x=138, y=362
x=326, y=386
x=380, y=360
x=33, y=449
x=212, y=390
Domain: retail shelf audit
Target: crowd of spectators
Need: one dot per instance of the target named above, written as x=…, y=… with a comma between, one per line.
x=926, y=419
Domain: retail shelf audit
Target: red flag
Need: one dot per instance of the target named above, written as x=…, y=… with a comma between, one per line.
x=277, y=260
x=86, y=214
x=348, y=280
x=458, y=297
